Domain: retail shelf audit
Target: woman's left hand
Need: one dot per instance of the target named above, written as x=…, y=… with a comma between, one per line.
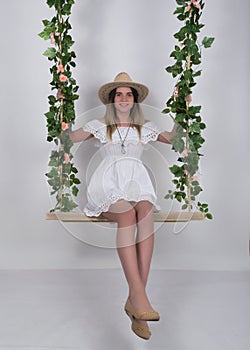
x=188, y=98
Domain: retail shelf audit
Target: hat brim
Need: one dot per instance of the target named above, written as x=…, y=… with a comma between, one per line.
x=105, y=90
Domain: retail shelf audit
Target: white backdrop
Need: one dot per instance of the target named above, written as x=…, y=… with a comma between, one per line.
x=134, y=36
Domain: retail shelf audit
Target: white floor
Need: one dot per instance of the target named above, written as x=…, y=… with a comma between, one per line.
x=79, y=309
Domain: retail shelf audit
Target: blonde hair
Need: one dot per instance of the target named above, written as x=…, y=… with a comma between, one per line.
x=136, y=115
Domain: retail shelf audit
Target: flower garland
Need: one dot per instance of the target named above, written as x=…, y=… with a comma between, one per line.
x=187, y=140
x=62, y=176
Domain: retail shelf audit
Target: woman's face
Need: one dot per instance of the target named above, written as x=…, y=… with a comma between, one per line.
x=124, y=99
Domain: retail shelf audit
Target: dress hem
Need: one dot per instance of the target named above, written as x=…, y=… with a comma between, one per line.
x=105, y=207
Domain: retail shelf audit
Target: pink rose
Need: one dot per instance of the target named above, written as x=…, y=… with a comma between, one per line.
x=188, y=8
x=52, y=38
x=186, y=172
x=63, y=78
x=193, y=1
x=184, y=153
x=65, y=126
x=195, y=178
x=60, y=68
x=198, y=6
x=59, y=94
x=176, y=90
x=66, y=158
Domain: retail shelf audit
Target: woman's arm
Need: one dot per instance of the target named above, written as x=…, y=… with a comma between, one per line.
x=166, y=136
x=79, y=135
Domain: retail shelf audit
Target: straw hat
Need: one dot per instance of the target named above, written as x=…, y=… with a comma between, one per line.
x=122, y=79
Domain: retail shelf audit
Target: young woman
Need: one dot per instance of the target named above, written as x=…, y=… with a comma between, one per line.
x=121, y=189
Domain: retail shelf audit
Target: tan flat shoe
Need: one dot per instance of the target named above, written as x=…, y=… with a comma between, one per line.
x=141, y=331
x=149, y=315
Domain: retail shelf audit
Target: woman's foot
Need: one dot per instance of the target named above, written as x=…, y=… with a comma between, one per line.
x=139, y=301
x=140, y=305
x=139, y=327
x=142, y=310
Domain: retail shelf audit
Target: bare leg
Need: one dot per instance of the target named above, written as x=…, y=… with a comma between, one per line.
x=125, y=215
x=145, y=238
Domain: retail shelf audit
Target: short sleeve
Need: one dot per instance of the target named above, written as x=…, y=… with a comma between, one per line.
x=150, y=132
x=97, y=129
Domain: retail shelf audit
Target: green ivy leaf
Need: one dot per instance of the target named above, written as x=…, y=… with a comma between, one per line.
x=76, y=181
x=194, y=109
x=50, y=115
x=166, y=111
x=49, y=27
x=188, y=75
x=181, y=35
x=51, y=3
x=178, y=145
x=196, y=190
x=195, y=183
x=178, y=10
x=49, y=138
x=52, y=100
x=67, y=204
x=197, y=74
x=176, y=170
x=207, y=42
x=195, y=127
x=50, y=53
x=181, y=2
x=74, y=170
x=53, y=173
x=44, y=34
x=75, y=191
x=209, y=216
x=54, y=162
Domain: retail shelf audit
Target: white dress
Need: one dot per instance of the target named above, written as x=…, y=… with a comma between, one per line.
x=119, y=176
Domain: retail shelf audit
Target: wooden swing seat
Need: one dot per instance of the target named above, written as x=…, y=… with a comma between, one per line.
x=158, y=217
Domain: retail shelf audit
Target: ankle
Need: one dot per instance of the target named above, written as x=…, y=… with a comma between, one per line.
x=136, y=292
x=138, y=296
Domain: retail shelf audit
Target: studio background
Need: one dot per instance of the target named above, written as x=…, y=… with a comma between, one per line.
x=137, y=37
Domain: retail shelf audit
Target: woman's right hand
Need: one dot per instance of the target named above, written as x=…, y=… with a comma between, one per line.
x=79, y=135
x=59, y=94
x=188, y=98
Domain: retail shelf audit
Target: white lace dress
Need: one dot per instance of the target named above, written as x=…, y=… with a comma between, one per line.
x=119, y=175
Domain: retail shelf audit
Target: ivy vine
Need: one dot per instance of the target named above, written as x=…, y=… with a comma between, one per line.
x=188, y=139
x=61, y=115
x=62, y=175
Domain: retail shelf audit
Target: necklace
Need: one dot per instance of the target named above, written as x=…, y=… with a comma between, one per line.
x=123, y=150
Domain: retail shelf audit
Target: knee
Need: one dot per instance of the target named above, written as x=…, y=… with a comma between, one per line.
x=127, y=218
x=144, y=209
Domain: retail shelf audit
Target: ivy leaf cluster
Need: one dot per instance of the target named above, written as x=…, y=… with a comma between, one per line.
x=188, y=139
x=61, y=114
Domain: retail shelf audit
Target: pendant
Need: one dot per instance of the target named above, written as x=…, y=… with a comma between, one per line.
x=123, y=148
